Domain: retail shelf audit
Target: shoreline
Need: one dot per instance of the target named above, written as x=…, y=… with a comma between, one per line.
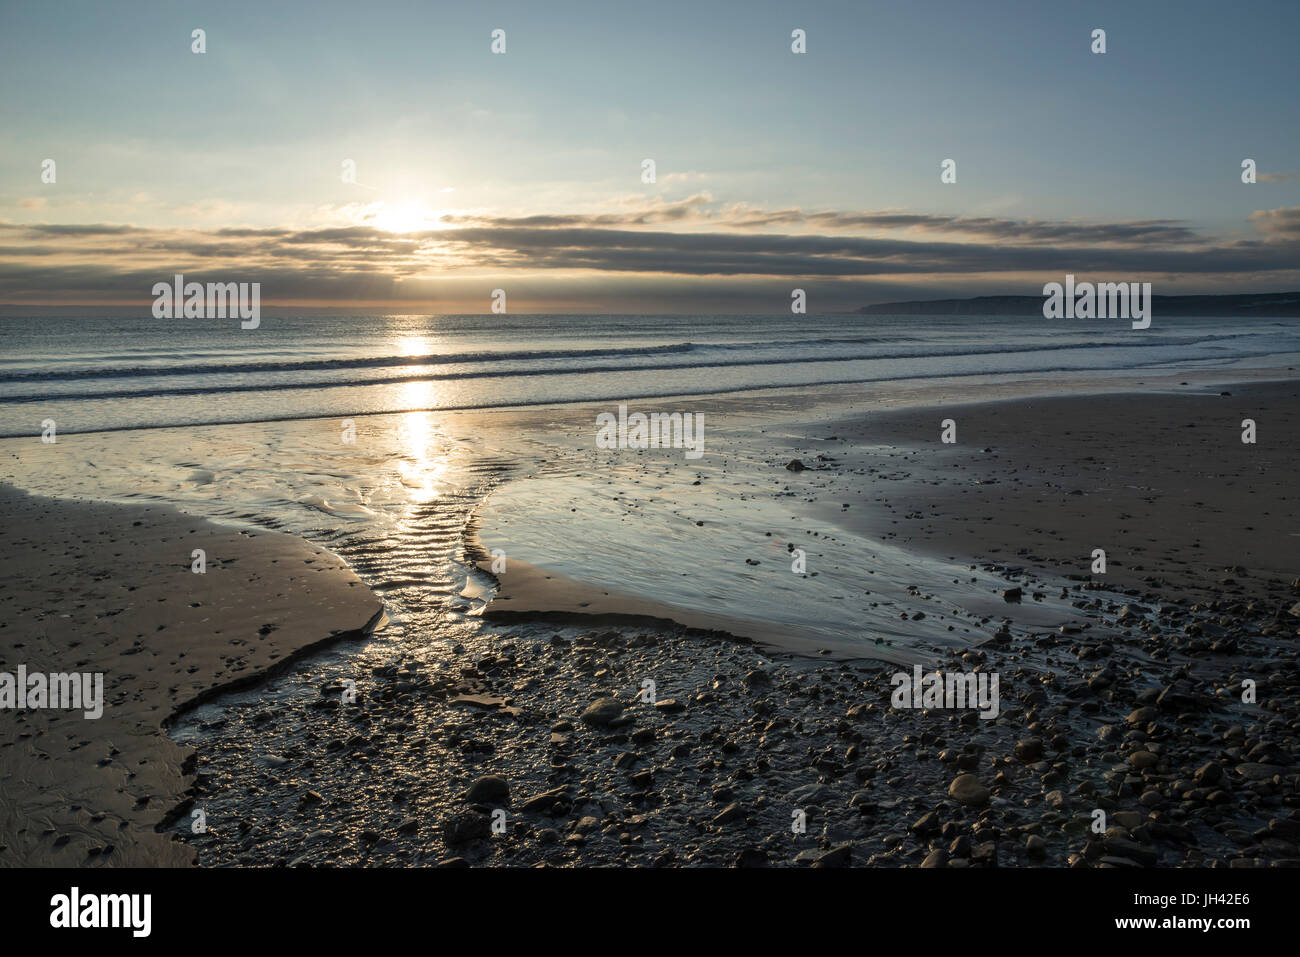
x=1015, y=385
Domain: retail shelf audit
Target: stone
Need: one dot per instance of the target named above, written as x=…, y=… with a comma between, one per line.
x=545, y=801
x=836, y=857
x=936, y=858
x=1029, y=749
x=466, y=826
x=489, y=789
x=926, y=824
x=1142, y=716
x=1209, y=774
x=810, y=794
x=603, y=712
x=732, y=812
x=1143, y=760
x=966, y=789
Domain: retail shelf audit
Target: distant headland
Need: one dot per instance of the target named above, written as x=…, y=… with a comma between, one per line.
x=1279, y=304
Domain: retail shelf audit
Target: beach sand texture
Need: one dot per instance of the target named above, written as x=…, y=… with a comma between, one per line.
x=107, y=588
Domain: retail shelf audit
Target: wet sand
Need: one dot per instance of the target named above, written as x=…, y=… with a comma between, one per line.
x=1161, y=481
x=109, y=589
x=1155, y=475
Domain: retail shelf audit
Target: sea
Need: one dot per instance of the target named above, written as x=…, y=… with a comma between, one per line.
x=95, y=373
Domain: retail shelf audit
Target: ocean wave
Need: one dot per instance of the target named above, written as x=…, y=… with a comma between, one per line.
x=916, y=347
x=609, y=395
x=356, y=362
x=701, y=359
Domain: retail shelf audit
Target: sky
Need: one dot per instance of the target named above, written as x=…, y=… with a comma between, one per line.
x=523, y=170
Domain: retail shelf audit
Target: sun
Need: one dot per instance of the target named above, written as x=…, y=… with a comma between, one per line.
x=404, y=217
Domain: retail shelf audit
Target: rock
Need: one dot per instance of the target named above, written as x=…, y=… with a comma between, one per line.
x=669, y=706
x=1151, y=799
x=1253, y=771
x=794, y=465
x=966, y=789
x=1288, y=829
x=1012, y=595
x=1209, y=774
x=544, y=802
x=752, y=857
x=1131, y=850
x=1029, y=750
x=810, y=794
x=936, y=858
x=1142, y=716
x=489, y=789
x=603, y=712
x=836, y=857
x=732, y=812
x=466, y=826
x=1143, y=760
x=1179, y=696
x=642, y=779
x=926, y=824
x=1035, y=846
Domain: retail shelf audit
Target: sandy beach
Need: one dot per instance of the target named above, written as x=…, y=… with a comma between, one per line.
x=1161, y=480
x=525, y=692
x=110, y=589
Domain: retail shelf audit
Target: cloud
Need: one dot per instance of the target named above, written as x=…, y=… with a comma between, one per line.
x=1004, y=230
x=1283, y=222
x=657, y=212
x=700, y=209
x=684, y=241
